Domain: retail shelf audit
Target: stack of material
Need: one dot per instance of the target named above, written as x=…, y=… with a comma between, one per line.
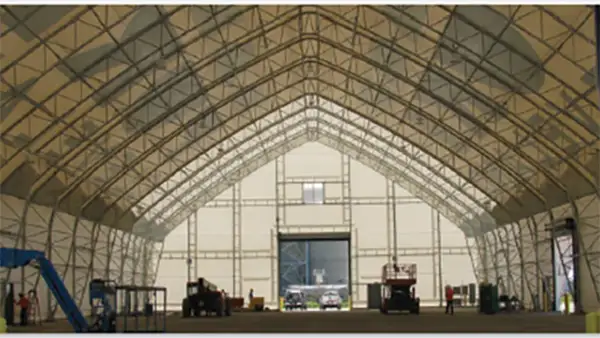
x=237, y=304
x=257, y=304
x=488, y=298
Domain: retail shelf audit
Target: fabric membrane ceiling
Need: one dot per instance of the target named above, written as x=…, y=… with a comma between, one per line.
x=123, y=114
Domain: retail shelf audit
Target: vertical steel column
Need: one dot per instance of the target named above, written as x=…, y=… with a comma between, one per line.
x=146, y=259
x=485, y=257
x=73, y=262
x=195, y=246
x=545, y=286
x=395, y=222
x=495, y=263
x=519, y=236
x=508, y=261
x=439, y=255
x=307, y=267
x=347, y=221
x=237, y=239
x=190, y=258
x=433, y=255
x=192, y=246
x=346, y=192
x=390, y=219
x=280, y=214
x=534, y=236
x=134, y=260
x=355, y=267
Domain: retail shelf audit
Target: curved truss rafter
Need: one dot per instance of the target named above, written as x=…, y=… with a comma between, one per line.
x=224, y=128
x=323, y=118
x=369, y=82
x=302, y=135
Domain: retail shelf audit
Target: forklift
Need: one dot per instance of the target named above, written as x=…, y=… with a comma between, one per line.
x=204, y=296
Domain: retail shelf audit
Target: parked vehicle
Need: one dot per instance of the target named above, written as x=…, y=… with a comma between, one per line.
x=330, y=299
x=295, y=299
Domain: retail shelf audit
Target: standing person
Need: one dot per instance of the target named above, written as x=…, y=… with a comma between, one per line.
x=449, y=300
x=23, y=304
x=250, y=296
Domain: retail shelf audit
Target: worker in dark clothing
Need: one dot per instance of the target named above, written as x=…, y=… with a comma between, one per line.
x=250, y=296
x=449, y=300
x=23, y=304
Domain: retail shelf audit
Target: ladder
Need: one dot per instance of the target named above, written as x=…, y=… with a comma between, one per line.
x=34, y=313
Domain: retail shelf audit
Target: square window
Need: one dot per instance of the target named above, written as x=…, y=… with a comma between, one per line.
x=313, y=193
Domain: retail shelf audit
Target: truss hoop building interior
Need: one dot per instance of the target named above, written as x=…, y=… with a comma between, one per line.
x=119, y=122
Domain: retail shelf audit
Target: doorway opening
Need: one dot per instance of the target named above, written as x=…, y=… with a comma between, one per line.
x=314, y=272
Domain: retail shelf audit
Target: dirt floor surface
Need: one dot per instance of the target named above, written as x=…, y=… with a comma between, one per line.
x=429, y=321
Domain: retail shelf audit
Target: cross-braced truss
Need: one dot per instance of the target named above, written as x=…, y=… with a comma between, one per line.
x=129, y=118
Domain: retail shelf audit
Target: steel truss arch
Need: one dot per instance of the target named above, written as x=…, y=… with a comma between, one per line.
x=290, y=67
x=306, y=134
x=532, y=162
x=352, y=94
x=278, y=108
x=213, y=57
x=319, y=120
x=363, y=130
x=375, y=87
x=480, y=96
x=462, y=48
x=331, y=66
x=341, y=18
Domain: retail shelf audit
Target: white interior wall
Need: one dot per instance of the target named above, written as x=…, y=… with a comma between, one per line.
x=312, y=160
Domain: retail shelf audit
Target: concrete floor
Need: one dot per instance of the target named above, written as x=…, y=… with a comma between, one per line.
x=430, y=320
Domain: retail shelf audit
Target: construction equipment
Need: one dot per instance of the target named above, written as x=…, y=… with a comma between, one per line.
x=204, y=296
x=257, y=304
x=237, y=303
x=398, y=290
x=103, y=294
x=103, y=303
x=7, y=296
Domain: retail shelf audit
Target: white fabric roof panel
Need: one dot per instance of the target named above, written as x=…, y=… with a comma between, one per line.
x=114, y=113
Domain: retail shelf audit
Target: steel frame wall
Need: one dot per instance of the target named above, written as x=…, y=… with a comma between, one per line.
x=281, y=202
x=489, y=250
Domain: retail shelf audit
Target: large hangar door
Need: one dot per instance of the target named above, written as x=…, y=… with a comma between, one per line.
x=314, y=271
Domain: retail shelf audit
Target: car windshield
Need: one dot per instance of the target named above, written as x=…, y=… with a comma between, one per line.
x=331, y=293
x=294, y=296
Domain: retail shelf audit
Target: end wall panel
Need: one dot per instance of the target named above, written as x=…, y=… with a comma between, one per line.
x=364, y=181
x=257, y=276
x=172, y=274
x=314, y=215
x=313, y=159
x=371, y=224
x=254, y=185
x=215, y=229
x=256, y=227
